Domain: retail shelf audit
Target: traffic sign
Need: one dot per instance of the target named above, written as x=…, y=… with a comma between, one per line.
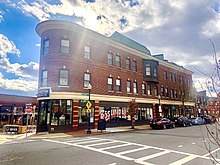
x=88, y=105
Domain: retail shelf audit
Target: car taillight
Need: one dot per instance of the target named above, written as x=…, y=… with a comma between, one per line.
x=159, y=122
x=150, y=122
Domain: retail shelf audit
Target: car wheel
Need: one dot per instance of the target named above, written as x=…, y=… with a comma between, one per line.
x=164, y=127
x=173, y=126
x=190, y=124
x=184, y=124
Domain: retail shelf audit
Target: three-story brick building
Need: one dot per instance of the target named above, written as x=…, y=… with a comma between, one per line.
x=118, y=69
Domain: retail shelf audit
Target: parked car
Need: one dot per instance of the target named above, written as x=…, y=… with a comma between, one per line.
x=183, y=121
x=162, y=123
x=208, y=119
x=197, y=121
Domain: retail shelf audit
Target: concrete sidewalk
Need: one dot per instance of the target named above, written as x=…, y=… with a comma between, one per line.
x=5, y=138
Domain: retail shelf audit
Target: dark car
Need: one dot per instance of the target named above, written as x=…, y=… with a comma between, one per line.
x=208, y=119
x=162, y=123
x=183, y=121
x=197, y=121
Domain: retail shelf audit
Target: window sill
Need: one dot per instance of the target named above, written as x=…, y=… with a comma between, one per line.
x=111, y=91
x=129, y=93
x=118, y=92
x=63, y=86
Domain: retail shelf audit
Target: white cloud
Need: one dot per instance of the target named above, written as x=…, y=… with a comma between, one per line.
x=20, y=84
x=38, y=45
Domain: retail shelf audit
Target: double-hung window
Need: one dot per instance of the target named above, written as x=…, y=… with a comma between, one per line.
x=165, y=74
x=110, y=59
x=143, y=88
x=162, y=91
x=156, y=91
x=149, y=89
x=128, y=64
x=64, y=77
x=135, y=87
x=46, y=45
x=110, y=83
x=44, y=78
x=87, y=79
x=65, y=46
x=135, y=66
x=167, y=92
x=128, y=86
x=87, y=52
x=118, y=85
x=118, y=61
x=148, y=70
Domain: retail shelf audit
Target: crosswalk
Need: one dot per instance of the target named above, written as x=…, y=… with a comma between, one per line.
x=138, y=153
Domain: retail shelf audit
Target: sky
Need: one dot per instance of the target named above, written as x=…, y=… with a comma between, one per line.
x=185, y=31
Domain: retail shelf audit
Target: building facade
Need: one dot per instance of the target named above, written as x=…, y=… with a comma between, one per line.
x=214, y=107
x=118, y=69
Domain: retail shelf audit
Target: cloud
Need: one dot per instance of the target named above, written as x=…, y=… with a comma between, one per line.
x=20, y=84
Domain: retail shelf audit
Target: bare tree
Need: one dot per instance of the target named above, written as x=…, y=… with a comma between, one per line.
x=132, y=110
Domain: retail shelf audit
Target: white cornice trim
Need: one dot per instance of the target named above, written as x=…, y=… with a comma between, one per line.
x=80, y=96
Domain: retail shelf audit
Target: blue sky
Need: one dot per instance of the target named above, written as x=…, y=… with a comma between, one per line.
x=181, y=30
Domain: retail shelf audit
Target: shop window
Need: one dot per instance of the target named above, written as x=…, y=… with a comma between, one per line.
x=87, y=79
x=110, y=59
x=110, y=83
x=128, y=86
x=83, y=115
x=64, y=77
x=46, y=44
x=87, y=52
x=118, y=113
x=65, y=46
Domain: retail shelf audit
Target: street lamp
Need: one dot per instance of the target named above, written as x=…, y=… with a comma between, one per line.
x=88, y=129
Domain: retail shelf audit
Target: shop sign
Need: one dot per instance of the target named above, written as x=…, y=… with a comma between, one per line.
x=11, y=129
x=44, y=92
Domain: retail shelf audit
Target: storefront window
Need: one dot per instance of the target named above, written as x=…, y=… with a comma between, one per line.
x=83, y=115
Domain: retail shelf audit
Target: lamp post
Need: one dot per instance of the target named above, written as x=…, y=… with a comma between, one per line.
x=88, y=129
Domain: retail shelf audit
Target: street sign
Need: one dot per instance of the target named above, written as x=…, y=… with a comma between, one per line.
x=88, y=105
x=85, y=94
x=83, y=101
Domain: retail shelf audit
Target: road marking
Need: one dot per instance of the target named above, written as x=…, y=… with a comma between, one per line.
x=100, y=143
x=117, y=146
x=134, y=150
x=211, y=152
x=112, y=164
x=193, y=143
x=184, y=160
x=79, y=140
x=89, y=141
x=180, y=146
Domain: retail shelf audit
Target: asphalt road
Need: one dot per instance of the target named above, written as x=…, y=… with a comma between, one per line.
x=185, y=145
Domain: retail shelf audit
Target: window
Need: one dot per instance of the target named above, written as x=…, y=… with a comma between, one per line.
x=175, y=93
x=110, y=59
x=155, y=71
x=148, y=70
x=149, y=89
x=165, y=74
x=87, y=79
x=156, y=91
x=64, y=77
x=118, y=85
x=171, y=77
x=135, y=66
x=65, y=46
x=172, y=93
x=128, y=64
x=162, y=91
x=110, y=84
x=46, y=46
x=118, y=61
x=143, y=88
x=87, y=52
x=135, y=87
x=174, y=77
x=44, y=78
x=128, y=86
x=167, y=92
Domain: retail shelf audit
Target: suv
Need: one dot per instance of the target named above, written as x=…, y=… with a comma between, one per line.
x=183, y=121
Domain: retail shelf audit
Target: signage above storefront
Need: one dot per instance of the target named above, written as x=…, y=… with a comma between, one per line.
x=43, y=92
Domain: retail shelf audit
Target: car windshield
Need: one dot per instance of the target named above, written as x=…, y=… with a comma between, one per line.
x=193, y=118
x=157, y=120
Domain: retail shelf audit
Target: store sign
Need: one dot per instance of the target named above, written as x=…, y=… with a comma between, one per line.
x=44, y=92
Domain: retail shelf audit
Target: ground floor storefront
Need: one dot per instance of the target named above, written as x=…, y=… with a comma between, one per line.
x=61, y=112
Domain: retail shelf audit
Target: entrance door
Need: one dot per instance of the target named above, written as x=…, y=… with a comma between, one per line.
x=44, y=116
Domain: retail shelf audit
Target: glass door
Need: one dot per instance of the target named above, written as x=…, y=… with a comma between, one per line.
x=44, y=116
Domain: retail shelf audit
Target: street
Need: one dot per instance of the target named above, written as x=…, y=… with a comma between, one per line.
x=183, y=145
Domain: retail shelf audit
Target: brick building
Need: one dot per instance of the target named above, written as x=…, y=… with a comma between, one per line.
x=118, y=69
x=214, y=106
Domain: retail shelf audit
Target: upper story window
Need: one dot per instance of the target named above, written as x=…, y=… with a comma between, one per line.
x=64, y=77
x=143, y=88
x=110, y=83
x=135, y=66
x=149, y=89
x=175, y=93
x=135, y=88
x=46, y=45
x=171, y=77
x=174, y=77
x=118, y=85
x=44, y=78
x=65, y=46
x=118, y=61
x=87, y=52
x=148, y=70
x=110, y=59
x=162, y=91
x=165, y=74
x=172, y=93
x=167, y=92
x=128, y=86
x=87, y=80
x=128, y=64
x=156, y=91
x=155, y=71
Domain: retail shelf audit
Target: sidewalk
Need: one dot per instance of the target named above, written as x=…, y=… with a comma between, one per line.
x=4, y=138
